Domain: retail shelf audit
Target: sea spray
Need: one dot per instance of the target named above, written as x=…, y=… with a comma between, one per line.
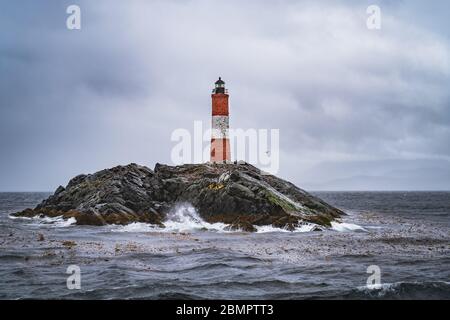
x=184, y=218
x=181, y=218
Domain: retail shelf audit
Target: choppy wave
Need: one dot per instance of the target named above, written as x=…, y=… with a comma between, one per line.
x=58, y=222
x=346, y=227
x=411, y=248
x=184, y=218
x=403, y=290
x=306, y=227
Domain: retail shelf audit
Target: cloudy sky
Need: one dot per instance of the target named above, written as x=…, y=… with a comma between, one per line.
x=357, y=109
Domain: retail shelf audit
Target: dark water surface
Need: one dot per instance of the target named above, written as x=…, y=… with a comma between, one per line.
x=405, y=234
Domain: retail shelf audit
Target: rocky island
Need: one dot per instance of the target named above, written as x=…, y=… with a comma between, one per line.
x=239, y=195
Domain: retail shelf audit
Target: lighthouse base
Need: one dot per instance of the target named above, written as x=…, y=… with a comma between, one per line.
x=220, y=151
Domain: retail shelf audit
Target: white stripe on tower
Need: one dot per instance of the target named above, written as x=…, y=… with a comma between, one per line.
x=220, y=127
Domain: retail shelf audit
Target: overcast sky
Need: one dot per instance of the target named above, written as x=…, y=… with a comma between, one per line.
x=357, y=109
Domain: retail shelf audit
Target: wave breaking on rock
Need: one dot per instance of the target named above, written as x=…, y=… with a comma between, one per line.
x=232, y=196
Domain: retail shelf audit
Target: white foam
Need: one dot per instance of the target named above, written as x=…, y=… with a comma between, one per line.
x=307, y=227
x=382, y=289
x=379, y=287
x=346, y=227
x=68, y=222
x=185, y=218
x=58, y=222
x=269, y=228
x=136, y=227
x=19, y=218
x=182, y=218
x=374, y=227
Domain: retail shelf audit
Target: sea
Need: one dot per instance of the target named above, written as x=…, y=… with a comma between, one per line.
x=390, y=245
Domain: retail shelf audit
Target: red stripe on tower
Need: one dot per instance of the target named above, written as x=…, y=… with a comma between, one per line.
x=220, y=143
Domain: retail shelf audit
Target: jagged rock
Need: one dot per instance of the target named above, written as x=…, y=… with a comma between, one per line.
x=235, y=194
x=59, y=190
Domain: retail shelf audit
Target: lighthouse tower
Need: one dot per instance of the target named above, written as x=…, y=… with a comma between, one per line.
x=220, y=143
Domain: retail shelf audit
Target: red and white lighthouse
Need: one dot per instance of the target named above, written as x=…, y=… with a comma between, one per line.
x=220, y=143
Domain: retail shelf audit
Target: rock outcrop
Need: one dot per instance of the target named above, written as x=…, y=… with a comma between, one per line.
x=235, y=194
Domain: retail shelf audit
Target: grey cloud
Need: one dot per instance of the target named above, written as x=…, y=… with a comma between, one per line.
x=343, y=96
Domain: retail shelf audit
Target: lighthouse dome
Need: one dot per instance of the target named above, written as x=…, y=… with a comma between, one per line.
x=219, y=86
x=220, y=82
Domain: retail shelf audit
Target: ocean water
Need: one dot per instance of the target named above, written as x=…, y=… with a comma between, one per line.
x=405, y=235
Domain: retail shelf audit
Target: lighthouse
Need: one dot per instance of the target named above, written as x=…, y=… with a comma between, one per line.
x=220, y=143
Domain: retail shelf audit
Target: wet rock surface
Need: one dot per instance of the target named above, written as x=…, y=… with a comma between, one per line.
x=236, y=194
